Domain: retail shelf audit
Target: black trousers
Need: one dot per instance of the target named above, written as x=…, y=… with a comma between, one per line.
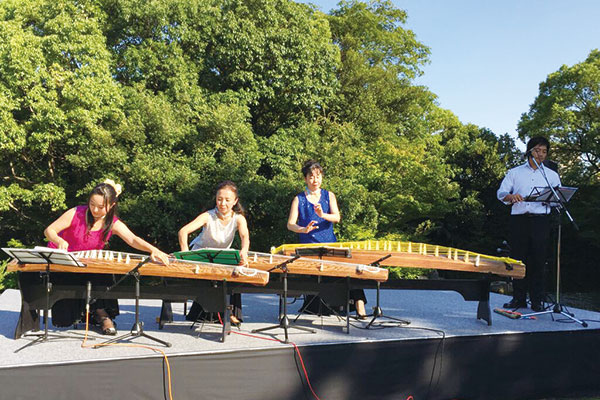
x=315, y=305
x=197, y=312
x=529, y=241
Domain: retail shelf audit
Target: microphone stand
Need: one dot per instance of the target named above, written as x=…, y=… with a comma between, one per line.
x=284, y=322
x=557, y=307
x=137, y=329
x=377, y=312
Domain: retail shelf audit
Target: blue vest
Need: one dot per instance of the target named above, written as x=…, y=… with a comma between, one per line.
x=306, y=213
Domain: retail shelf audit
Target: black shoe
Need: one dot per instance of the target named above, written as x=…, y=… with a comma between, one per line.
x=537, y=307
x=514, y=303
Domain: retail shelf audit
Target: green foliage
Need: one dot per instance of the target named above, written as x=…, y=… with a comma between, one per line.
x=170, y=97
x=567, y=111
x=407, y=273
x=8, y=280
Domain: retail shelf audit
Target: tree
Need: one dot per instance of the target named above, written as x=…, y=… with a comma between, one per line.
x=278, y=54
x=170, y=97
x=379, y=60
x=567, y=111
x=58, y=106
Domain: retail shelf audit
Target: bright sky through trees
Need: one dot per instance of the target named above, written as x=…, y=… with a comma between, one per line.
x=488, y=57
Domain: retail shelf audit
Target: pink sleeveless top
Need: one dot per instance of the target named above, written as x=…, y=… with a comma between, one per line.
x=78, y=238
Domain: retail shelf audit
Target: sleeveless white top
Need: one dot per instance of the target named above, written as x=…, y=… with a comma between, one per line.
x=214, y=234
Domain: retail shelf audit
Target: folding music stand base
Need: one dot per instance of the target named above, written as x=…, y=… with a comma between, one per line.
x=558, y=308
x=45, y=336
x=226, y=323
x=322, y=303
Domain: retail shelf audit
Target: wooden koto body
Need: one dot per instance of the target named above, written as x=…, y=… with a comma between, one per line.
x=108, y=262
x=309, y=266
x=415, y=255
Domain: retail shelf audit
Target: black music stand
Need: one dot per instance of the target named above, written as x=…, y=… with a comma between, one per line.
x=137, y=329
x=377, y=312
x=218, y=256
x=284, y=322
x=45, y=255
x=211, y=255
x=555, y=197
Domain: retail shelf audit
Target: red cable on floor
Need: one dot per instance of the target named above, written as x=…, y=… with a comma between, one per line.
x=279, y=341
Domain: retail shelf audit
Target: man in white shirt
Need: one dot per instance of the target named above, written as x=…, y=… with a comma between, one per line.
x=529, y=221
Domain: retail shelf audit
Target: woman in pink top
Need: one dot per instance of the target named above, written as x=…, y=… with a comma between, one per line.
x=90, y=227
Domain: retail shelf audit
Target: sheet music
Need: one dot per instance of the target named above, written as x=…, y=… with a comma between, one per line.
x=41, y=255
x=212, y=255
x=49, y=249
x=545, y=195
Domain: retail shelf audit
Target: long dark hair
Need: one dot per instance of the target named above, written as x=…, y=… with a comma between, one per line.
x=238, y=208
x=109, y=194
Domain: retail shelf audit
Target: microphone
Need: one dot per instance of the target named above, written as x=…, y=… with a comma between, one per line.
x=504, y=250
x=88, y=296
x=553, y=165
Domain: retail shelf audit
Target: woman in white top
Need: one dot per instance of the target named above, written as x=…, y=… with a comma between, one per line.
x=218, y=231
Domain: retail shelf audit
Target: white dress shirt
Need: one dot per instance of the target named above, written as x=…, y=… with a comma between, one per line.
x=521, y=180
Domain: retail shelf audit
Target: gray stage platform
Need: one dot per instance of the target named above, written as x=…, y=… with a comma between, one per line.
x=444, y=311
x=436, y=311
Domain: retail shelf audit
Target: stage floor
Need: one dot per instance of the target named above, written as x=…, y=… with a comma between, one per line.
x=433, y=315
x=443, y=311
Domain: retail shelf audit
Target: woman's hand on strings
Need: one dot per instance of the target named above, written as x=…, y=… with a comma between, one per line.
x=243, y=257
x=157, y=255
x=63, y=244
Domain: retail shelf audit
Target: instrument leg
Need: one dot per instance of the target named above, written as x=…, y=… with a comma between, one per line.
x=484, y=312
x=348, y=305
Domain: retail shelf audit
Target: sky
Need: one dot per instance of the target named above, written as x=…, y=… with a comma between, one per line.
x=489, y=57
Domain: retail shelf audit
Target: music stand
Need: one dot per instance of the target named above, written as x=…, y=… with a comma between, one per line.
x=137, y=329
x=552, y=196
x=555, y=197
x=45, y=255
x=284, y=322
x=219, y=256
x=211, y=255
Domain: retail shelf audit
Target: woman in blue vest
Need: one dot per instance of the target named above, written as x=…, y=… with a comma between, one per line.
x=312, y=215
